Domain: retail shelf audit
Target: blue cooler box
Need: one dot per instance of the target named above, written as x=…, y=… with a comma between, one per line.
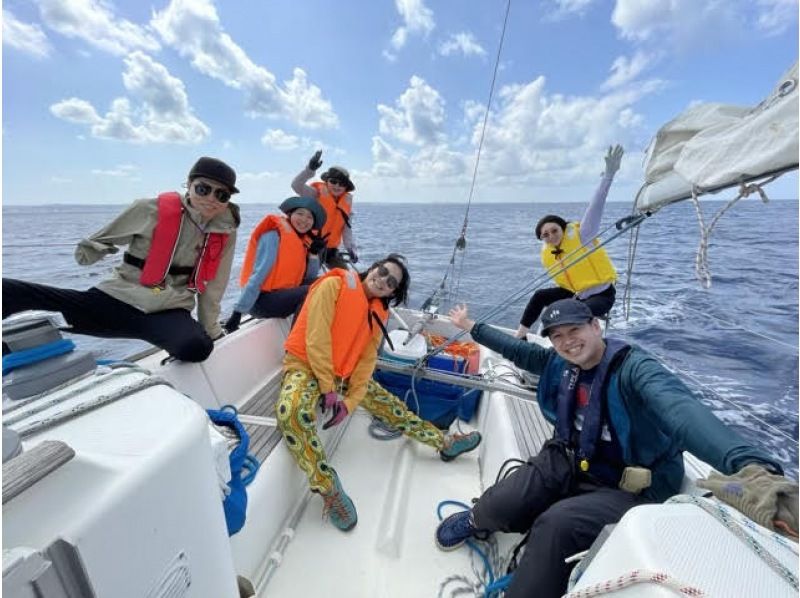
x=439, y=402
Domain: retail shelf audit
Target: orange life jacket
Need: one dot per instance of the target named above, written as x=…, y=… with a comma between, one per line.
x=337, y=210
x=352, y=327
x=290, y=262
x=165, y=241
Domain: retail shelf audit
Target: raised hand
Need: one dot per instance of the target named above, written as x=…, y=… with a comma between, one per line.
x=315, y=161
x=613, y=159
x=458, y=316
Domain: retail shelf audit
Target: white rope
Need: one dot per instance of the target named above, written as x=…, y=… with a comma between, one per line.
x=701, y=259
x=737, y=527
x=637, y=576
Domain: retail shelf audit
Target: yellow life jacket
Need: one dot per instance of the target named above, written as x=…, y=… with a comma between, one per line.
x=585, y=272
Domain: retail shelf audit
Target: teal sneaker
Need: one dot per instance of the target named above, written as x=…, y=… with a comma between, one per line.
x=457, y=444
x=339, y=508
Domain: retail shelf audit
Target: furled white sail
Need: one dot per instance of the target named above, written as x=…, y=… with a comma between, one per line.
x=714, y=146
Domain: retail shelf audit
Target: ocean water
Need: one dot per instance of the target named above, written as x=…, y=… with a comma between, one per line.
x=735, y=344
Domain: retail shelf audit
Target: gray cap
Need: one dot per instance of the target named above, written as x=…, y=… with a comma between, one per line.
x=565, y=311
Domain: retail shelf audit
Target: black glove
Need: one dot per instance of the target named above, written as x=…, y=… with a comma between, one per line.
x=353, y=257
x=318, y=243
x=233, y=322
x=315, y=161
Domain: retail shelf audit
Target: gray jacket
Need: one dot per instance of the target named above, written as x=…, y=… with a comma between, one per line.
x=134, y=229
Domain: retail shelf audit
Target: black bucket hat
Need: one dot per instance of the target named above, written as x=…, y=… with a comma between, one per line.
x=216, y=170
x=309, y=203
x=339, y=172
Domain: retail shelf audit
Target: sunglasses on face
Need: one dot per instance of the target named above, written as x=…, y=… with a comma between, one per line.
x=222, y=195
x=391, y=281
x=335, y=181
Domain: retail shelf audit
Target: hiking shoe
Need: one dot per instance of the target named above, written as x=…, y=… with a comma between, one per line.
x=456, y=444
x=339, y=508
x=453, y=531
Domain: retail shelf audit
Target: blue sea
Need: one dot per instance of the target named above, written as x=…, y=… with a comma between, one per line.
x=735, y=344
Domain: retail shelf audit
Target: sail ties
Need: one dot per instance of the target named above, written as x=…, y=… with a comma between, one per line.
x=701, y=268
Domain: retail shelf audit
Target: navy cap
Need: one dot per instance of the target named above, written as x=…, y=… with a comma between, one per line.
x=565, y=311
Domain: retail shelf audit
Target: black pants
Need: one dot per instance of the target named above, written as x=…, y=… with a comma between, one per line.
x=94, y=313
x=281, y=303
x=600, y=304
x=564, y=513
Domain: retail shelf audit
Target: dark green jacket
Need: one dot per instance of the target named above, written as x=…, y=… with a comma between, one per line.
x=653, y=413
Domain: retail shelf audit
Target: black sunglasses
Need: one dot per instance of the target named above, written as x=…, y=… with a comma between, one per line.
x=391, y=281
x=222, y=195
x=335, y=181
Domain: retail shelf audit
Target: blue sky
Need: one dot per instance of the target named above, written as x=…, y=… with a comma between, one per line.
x=106, y=102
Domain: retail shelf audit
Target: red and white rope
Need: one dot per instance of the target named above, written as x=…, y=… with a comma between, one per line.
x=635, y=577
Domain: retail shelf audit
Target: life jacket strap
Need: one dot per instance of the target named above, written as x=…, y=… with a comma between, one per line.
x=138, y=262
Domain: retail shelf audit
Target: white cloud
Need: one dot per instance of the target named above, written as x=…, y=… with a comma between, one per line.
x=555, y=139
x=122, y=170
x=691, y=23
x=418, y=116
x=776, y=16
x=94, y=22
x=417, y=20
x=280, y=140
x=625, y=69
x=464, y=43
x=193, y=29
x=28, y=38
x=533, y=137
x=163, y=114
x=567, y=8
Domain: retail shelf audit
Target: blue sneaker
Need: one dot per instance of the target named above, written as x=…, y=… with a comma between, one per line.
x=339, y=508
x=454, y=531
x=457, y=444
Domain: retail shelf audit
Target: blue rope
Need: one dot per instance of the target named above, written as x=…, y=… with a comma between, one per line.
x=19, y=359
x=493, y=586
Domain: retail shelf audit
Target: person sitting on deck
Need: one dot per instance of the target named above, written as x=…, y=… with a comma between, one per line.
x=280, y=262
x=334, y=194
x=330, y=357
x=621, y=423
x=179, y=254
x=589, y=278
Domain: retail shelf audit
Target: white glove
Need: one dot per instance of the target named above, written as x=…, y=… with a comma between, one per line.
x=613, y=159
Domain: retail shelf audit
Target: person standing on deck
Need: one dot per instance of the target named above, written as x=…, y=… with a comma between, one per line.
x=330, y=357
x=590, y=278
x=621, y=423
x=280, y=262
x=179, y=254
x=334, y=194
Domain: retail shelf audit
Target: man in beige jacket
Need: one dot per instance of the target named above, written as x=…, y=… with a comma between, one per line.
x=165, y=271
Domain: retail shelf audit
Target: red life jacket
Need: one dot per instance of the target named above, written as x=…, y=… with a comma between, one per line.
x=165, y=242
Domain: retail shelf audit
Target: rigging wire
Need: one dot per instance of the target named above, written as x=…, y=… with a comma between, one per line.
x=740, y=408
x=461, y=242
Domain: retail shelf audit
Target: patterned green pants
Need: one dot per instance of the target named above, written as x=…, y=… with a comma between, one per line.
x=297, y=420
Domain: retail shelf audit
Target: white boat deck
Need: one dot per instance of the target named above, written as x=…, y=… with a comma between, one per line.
x=396, y=486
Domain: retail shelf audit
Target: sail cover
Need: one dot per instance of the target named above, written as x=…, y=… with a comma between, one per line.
x=712, y=146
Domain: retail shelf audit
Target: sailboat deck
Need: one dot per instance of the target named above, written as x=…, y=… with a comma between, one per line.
x=396, y=486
